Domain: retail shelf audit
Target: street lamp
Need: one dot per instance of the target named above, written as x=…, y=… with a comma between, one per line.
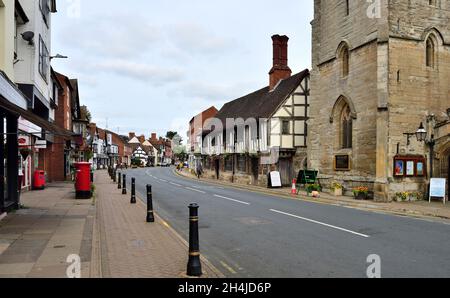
x=421, y=135
x=58, y=56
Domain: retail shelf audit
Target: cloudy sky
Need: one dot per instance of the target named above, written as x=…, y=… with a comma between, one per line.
x=151, y=65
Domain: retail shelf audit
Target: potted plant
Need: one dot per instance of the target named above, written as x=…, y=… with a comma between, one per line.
x=361, y=193
x=402, y=196
x=25, y=152
x=337, y=189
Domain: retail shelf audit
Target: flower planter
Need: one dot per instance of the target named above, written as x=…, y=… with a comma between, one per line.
x=361, y=196
x=338, y=192
x=315, y=194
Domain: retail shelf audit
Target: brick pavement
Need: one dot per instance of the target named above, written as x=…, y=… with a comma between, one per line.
x=130, y=247
x=36, y=241
x=108, y=233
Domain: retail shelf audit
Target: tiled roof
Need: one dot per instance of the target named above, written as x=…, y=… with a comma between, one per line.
x=261, y=103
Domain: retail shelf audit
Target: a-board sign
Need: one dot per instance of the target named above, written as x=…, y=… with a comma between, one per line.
x=275, y=179
x=437, y=188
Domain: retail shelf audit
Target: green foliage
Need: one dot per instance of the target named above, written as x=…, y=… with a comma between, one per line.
x=313, y=187
x=171, y=134
x=136, y=162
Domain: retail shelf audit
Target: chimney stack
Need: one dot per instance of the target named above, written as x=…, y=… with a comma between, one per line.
x=280, y=69
x=154, y=137
x=131, y=135
x=141, y=139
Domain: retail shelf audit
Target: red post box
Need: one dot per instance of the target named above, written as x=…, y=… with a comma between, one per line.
x=39, y=180
x=83, y=180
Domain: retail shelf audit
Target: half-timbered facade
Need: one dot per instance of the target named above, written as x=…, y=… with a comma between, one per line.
x=263, y=131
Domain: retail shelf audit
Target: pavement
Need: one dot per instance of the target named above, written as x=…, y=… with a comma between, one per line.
x=36, y=241
x=246, y=233
x=132, y=248
x=110, y=236
x=414, y=209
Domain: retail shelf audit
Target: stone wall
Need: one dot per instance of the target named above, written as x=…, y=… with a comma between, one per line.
x=389, y=86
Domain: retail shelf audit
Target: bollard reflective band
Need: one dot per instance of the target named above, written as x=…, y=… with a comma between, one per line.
x=194, y=253
x=193, y=218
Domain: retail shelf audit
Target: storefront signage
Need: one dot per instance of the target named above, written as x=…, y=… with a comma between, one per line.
x=24, y=141
x=275, y=179
x=40, y=144
x=437, y=188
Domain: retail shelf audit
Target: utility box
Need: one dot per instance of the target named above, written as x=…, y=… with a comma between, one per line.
x=83, y=180
x=39, y=180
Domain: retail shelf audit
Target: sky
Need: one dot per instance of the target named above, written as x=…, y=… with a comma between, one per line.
x=151, y=65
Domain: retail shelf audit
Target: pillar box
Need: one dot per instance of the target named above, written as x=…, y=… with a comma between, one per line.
x=83, y=180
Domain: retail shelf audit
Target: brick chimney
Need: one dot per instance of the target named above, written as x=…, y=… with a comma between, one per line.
x=141, y=138
x=153, y=137
x=131, y=135
x=280, y=69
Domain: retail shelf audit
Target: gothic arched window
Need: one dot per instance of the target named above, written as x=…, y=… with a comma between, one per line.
x=346, y=128
x=430, y=52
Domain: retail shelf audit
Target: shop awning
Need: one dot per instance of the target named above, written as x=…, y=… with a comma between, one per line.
x=45, y=125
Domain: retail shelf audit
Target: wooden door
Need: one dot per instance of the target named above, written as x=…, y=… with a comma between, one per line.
x=285, y=169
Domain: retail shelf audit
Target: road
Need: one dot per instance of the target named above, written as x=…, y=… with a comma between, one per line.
x=248, y=234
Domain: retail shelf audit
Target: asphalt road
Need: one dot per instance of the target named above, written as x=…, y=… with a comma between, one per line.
x=248, y=234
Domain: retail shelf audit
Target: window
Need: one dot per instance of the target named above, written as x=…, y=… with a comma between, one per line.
x=15, y=38
x=286, y=127
x=346, y=128
x=229, y=164
x=241, y=164
x=430, y=52
x=345, y=61
x=45, y=10
x=43, y=59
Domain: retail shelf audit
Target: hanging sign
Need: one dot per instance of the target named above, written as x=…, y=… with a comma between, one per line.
x=437, y=188
x=40, y=144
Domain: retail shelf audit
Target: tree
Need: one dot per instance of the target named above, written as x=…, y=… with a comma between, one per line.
x=86, y=113
x=171, y=134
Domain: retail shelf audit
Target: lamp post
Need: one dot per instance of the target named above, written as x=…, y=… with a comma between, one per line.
x=422, y=135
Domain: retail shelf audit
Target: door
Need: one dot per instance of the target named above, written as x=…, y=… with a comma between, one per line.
x=217, y=166
x=285, y=169
x=255, y=170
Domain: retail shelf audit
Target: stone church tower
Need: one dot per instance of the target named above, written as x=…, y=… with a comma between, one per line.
x=379, y=69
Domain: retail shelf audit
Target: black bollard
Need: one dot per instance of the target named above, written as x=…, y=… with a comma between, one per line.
x=119, y=184
x=194, y=267
x=115, y=176
x=150, y=215
x=133, y=191
x=124, y=184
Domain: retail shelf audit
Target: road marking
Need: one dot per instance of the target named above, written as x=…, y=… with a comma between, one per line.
x=320, y=223
x=228, y=267
x=175, y=184
x=229, y=199
x=193, y=189
x=163, y=180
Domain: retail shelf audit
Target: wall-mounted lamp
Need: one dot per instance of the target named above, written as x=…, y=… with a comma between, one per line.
x=28, y=36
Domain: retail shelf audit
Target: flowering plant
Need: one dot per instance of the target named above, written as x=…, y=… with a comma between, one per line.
x=361, y=190
x=336, y=185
